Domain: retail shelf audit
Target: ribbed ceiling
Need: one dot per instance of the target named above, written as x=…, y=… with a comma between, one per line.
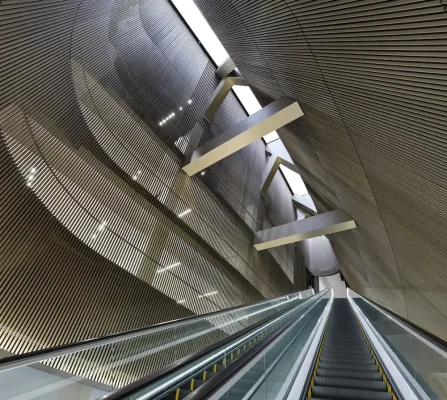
x=370, y=77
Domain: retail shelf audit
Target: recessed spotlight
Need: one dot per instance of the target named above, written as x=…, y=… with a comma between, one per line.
x=94, y=236
x=28, y=184
x=180, y=108
x=31, y=177
x=139, y=172
x=182, y=214
x=100, y=227
x=181, y=301
x=202, y=173
x=160, y=123
x=189, y=101
x=33, y=170
x=168, y=267
x=207, y=294
x=134, y=177
x=173, y=114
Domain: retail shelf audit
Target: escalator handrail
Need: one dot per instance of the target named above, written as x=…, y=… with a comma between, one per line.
x=136, y=386
x=212, y=385
x=20, y=360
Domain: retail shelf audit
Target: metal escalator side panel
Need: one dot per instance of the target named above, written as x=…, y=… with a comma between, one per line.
x=400, y=380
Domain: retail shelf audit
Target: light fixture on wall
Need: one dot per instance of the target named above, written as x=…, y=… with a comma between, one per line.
x=168, y=267
x=31, y=176
x=99, y=229
x=182, y=214
x=207, y=294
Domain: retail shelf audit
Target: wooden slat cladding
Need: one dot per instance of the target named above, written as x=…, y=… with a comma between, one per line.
x=91, y=239
x=371, y=79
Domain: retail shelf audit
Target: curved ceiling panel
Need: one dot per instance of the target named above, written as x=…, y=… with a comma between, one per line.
x=371, y=79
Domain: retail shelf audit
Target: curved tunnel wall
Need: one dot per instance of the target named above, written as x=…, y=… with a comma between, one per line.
x=92, y=187
x=370, y=78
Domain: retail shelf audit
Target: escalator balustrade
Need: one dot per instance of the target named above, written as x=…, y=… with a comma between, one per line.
x=191, y=384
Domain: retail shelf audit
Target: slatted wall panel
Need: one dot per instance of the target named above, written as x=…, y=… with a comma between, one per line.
x=370, y=77
x=92, y=187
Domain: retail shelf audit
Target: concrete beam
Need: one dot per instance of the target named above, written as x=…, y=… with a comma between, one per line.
x=219, y=95
x=254, y=127
x=322, y=224
x=304, y=203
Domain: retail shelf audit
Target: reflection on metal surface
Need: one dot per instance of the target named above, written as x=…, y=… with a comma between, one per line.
x=323, y=224
x=270, y=170
x=225, y=68
x=254, y=127
x=219, y=95
x=304, y=203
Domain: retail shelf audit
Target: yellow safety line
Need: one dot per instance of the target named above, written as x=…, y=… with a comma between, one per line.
x=177, y=394
x=314, y=374
x=191, y=386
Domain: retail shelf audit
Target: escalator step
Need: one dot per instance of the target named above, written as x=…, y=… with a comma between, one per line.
x=359, y=367
x=350, y=383
x=337, y=393
x=347, y=360
x=375, y=376
x=340, y=350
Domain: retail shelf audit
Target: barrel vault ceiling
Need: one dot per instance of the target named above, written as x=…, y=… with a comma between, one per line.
x=370, y=76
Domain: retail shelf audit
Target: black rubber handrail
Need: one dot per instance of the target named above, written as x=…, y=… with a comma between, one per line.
x=57, y=351
x=137, y=386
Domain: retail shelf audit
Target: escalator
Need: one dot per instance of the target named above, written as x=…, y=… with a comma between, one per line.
x=288, y=348
x=220, y=364
x=346, y=366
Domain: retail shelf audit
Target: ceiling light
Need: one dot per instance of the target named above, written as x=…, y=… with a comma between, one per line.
x=189, y=101
x=207, y=294
x=181, y=301
x=28, y=184
x=201, y=29
x=94, y=236
x=182, y=214
x=134, y=177
x=100, y=227
x=180, y=108
x=202, y=173
x=33, y=170
x=139, y=172
x=168, y=267
x=31, y=177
